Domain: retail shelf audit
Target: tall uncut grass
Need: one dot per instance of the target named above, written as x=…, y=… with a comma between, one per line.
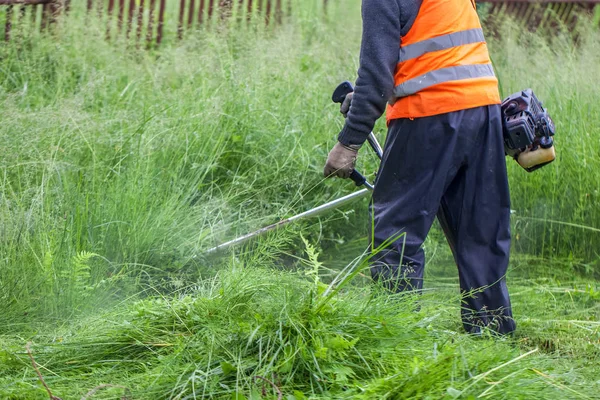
x=119, y=167
x=558, y=207
x=119, y=162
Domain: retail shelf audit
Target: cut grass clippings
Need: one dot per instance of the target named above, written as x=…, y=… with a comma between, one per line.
x=213, y=339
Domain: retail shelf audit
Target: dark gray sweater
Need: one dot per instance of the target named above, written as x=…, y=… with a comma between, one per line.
x=384, y=22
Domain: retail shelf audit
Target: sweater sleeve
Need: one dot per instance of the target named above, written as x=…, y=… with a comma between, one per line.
x=378, y=59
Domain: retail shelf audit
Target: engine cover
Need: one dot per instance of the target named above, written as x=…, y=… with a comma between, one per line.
x=527, y=130
x=527, y=126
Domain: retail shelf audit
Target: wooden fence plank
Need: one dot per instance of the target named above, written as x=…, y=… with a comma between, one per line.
x=150, y=31
x=111, y=7
x=240, y=11
x=180, y=24
x=130, y=14
x=225, y=9
x=99, y=8
x=211, y=9
x=140, y=19
x=529, y=13
x=201, y=12
x=541, y=14
x=120, y=15
x=23, y=2
x=519, y=8
x=191, y=14
x=268, y=12
x=44, y=22
x=21, y=16
x=54, y=8
x=8, y=23
x=568, y=15
x=161, y=22
x=34, y=9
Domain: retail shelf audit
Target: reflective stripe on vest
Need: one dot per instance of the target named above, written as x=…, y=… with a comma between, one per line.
x=441, y=43
x=456, y=73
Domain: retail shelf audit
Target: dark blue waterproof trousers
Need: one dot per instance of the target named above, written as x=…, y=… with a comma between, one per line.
x=451, y=166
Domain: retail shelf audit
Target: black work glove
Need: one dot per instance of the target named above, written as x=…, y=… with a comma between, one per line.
x=341, y=160
x=345, y=107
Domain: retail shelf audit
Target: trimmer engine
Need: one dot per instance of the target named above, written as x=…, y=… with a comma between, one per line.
x=528, y=130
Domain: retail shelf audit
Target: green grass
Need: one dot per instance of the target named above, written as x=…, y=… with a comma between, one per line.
x=212, y=338
x=558, y=208
x=120, y=166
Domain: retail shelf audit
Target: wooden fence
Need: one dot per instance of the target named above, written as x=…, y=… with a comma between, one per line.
x=138, y=18
x=147, y=17
x=16, y=11
x=540, y=14
x=129, y=13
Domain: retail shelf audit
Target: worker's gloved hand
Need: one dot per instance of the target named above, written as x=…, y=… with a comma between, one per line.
x=345, y=107
x=341, y=160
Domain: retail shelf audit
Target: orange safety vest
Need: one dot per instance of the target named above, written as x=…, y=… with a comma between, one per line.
x=444, y=64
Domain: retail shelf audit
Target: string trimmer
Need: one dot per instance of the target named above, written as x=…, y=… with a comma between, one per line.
x=527, y=131
x=338, y=96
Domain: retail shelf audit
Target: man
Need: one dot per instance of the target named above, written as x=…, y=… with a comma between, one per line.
x=444, y=152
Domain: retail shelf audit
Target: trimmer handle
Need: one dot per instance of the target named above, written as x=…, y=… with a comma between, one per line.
x=357, y=177
x=339, y=95
x=340, y=92
x=360, y=180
